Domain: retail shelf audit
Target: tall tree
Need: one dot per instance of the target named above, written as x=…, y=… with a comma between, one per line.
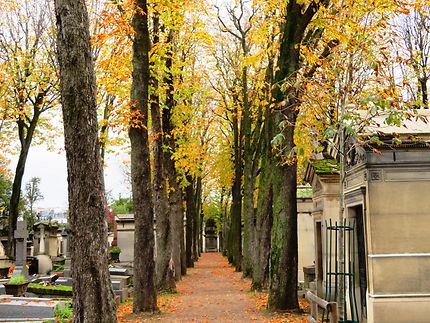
x=415, y=34
x=93, y=298
x=242, y=22
x=145, y=297
x=229, y=71
x=164, y=229
x=32, y=195
x=29, y=67
x=284, y=254
x=174, y=193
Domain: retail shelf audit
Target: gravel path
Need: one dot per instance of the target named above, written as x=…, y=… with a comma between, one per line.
x=214, y=292
x=211, y=292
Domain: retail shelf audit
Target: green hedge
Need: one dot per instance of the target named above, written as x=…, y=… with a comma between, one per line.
x=50, y=289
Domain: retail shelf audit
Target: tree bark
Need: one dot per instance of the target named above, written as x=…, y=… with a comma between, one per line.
x=104, y=130
x=145, y=296
x=235, y=232
x=93, y=299
x=165, y=266
x=190, y=216
x=174, y=194
x=424, y=91
x=264, y=214
x=196, y=220
x=283, y=257
x=248, y=181
x=26, y=133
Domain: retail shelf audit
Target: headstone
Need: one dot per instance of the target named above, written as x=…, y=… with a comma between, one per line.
x=44, y=261
x=42, y=240
x=67, y=263
x=65, y=242
x=21, y=235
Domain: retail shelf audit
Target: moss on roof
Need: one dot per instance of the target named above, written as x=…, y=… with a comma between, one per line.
x=326, y=166
x=304, y=192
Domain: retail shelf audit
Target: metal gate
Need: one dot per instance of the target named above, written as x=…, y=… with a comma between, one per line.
x=340, y=270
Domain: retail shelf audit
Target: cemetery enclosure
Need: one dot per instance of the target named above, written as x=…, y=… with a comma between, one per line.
x=386, y=203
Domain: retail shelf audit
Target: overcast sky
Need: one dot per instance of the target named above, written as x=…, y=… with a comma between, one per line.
x=52, y=170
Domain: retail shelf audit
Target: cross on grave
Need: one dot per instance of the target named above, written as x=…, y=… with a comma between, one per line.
x=21, y=235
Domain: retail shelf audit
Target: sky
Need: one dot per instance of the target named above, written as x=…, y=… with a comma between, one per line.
x=51, y=168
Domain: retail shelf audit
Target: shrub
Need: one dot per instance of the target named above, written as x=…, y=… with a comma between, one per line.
x=57, y=267
x=63, y=312
x=17, y=280
x=52, y=287
x=115, y=250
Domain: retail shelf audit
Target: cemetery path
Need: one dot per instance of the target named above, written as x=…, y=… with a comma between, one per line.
x=214, y=292
x=210, y=292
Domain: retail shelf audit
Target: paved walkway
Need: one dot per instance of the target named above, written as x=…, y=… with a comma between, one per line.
x=212, y=292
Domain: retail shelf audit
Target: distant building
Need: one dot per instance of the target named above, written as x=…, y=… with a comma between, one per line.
x=58, y=215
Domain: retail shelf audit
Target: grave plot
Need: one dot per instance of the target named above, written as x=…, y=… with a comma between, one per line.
x=26, y=309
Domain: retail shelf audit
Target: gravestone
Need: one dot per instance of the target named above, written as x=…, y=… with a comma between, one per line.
x=44, y=261
x=27, y=309
x=21, y=235
x=67, y=263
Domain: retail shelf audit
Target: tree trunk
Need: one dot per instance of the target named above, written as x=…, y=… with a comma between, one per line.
x=196, y=220
x=104, y=130
x=248, y=182
x=165, y=266
x=235, y=232
x=93, y=298
x=424, y=91
x=174, y=194
x=25, y=138
x=182, y=238
x=145, y=296
x=264, y=212
x=225, y=226
x=190, y=216
x=176, y=217
x=283, y=257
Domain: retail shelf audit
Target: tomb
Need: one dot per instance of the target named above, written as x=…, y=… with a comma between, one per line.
x=386, y=228
x=125, y=236
x=386, y=193
x=210, y=236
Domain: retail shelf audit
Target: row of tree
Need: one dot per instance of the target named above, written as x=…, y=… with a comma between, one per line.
x=288, y=71
x=221, y=106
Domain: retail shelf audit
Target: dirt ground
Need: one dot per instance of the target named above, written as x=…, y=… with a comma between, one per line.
x=211, y=292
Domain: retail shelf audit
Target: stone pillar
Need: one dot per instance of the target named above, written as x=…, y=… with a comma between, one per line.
x=21, y=235
x=65, y=241
x=67, y=263
x=42, y=240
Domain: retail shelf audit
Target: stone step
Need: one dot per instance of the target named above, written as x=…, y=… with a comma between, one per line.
x=128, y=279
x=119, y=271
